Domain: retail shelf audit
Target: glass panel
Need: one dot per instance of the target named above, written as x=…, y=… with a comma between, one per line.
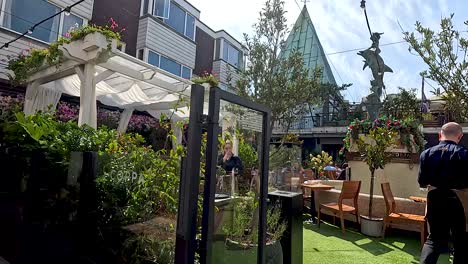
x=225, y=50
x=176, y=18
x=70, y=23
x=145, y=7
x=286, y=171
x=186, y=72
x=161, y=8
x=190, y=27
x=20, y=19
x=170, y=66
x=153, y=58
x=233, y=56
x=237, y=185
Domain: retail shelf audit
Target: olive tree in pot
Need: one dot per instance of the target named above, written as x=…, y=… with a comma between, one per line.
x=374, y=147
x=242, y=232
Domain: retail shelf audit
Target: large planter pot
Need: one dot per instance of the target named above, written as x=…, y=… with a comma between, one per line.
x=245, y=253
x=74, y=167
x=371, y=226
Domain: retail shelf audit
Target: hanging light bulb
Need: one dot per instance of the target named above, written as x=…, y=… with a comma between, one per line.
x=6, y=46
x=30, y=31
x=363, y=4
x=67, y=11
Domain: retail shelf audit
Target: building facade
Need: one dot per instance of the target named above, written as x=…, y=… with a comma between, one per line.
x=170, y=35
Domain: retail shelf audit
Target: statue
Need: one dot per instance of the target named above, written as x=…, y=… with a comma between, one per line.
x=375, y=62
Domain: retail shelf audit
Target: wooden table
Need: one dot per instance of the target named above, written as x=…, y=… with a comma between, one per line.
x=418, y=199
x=314, y=187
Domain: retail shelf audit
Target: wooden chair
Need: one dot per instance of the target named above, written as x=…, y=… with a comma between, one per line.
x=330, y=175
x=308, y=175
x=393, y=216
x=349, y=191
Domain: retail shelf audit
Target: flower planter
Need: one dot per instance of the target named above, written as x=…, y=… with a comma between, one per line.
x=206, y=85
x=246, y=253
x=371, y=226
x=74, y=167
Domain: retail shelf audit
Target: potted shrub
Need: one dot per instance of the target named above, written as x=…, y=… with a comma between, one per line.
x=374, y=148
x=242, y=233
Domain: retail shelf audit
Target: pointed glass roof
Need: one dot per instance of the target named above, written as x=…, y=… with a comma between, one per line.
x=304, y=38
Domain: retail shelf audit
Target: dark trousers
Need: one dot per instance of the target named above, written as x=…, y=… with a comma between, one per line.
x=446, y=220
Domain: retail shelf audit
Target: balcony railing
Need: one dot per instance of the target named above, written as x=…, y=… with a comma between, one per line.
x=307, y=123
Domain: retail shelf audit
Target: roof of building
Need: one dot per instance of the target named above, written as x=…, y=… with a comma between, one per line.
x=303, y=37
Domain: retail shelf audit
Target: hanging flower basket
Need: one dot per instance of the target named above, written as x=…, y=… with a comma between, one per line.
x=410, y=136
x=33, y=60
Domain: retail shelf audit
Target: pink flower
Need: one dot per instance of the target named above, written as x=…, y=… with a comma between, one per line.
x=114, y=24
x=67, y=35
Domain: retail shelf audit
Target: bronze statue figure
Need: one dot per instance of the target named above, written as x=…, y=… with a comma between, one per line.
x=377, y=65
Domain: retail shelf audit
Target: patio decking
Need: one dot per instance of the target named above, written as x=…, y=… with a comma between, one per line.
x=327, y=245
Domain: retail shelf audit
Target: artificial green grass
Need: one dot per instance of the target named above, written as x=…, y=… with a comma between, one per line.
x=327, y=245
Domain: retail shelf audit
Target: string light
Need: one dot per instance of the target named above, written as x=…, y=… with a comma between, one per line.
x=30, y=31
x=67, y=11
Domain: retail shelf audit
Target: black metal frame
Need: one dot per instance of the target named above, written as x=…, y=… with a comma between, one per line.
x=186, y=243
x=216, y=95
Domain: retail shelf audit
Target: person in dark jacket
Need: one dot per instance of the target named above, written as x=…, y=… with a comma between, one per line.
x=228, y=161
x=443, y=168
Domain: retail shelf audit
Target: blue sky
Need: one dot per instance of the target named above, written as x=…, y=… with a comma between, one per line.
x=341, y=26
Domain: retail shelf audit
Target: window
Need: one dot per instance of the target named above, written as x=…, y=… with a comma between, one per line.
x=20, y=19
x=181, y=21
x=176, y=18
x=190, y=27
x=231, y=55
x=153, y=58
x=161, y=8
x=70, y=23
x=145, y=7
x=186, y=73
x=170, y=66
x=140, y=54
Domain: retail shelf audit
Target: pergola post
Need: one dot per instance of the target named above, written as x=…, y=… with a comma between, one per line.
x=31, y=93
x=178, y=133
x=88, y=107
x=124, y=120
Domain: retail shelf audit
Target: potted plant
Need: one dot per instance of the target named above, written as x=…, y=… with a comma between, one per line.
x=242, y=233
x=206, y=79
x=374, y=148
x=319, y=162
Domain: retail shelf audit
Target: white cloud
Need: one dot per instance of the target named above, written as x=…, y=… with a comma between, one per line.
x=341, y=26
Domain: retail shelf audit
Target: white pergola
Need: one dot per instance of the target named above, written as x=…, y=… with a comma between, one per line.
x=94, y=69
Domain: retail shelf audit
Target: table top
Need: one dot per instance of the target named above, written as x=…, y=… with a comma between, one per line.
x=418, y=199
x=317, y=186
